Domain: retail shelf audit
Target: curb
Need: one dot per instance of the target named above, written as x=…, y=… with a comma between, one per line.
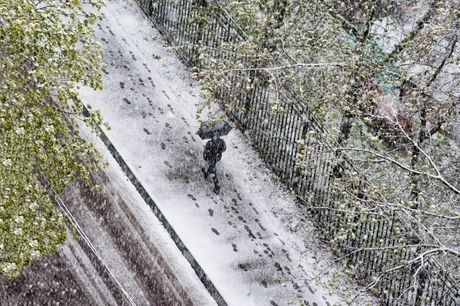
x=207, y=283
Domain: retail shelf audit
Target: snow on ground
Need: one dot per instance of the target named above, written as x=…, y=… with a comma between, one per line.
x=132, y=242
x=252, y=240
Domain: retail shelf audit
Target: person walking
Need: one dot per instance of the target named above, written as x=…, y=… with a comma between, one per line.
x=212, y=154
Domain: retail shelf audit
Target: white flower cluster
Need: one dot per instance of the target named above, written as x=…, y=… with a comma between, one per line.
x=7, y=162
x=19, y=219
x=20, y=131
x=7, y=267
x=17, y=231
x=33, y=244
x=33, y=205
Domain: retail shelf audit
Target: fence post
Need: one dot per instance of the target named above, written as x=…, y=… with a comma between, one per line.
x=421, y=286
x=201, y=6
x=297, y=181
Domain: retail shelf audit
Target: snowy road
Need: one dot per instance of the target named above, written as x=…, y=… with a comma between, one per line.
x=252, y=240
x=133, y=245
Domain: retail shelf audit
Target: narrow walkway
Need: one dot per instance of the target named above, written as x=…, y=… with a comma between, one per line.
x=252, y=240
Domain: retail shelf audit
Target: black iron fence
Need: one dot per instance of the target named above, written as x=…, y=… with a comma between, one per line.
x=288, y=141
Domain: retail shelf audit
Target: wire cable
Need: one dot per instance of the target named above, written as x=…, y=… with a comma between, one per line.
x=75, y=224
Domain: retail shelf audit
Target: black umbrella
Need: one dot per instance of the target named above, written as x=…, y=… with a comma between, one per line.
x=209, y=128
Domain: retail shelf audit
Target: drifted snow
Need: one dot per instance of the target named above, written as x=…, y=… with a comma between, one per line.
x=252, y=240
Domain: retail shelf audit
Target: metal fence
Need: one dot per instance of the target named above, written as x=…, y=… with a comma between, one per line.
x=372, y=243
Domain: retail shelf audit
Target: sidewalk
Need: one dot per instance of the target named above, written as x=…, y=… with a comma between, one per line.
x=252, y=240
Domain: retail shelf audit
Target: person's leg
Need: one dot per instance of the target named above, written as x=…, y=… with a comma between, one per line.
x=205, y=172
x=211, y=167
x=215, y=179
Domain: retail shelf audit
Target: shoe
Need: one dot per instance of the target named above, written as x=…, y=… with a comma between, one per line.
x=204, y=173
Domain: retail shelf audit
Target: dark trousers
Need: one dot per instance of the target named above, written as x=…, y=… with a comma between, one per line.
x=212, y=171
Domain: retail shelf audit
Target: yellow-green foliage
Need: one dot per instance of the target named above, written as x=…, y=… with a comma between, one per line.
x=46, y=53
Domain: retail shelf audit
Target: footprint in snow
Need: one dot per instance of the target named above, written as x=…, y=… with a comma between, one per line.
x=250, y=234
x=164, y=92
x=215, y=231
x=167, y=164
x=163, y=146
x=151, y=81
x=289, y=258
x=126, y=101
x=147, y=131
x=146, y=67
x=235, y=248
x=268, y=254
x=185, y=121
x=258, y=222
x=191, y=197
x=243, y=267
x=211, y=212
x=150, y=101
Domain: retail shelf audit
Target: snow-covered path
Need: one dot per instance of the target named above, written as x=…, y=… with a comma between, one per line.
x=252, y=240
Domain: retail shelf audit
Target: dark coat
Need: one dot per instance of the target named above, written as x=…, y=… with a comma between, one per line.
x=214, y=149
